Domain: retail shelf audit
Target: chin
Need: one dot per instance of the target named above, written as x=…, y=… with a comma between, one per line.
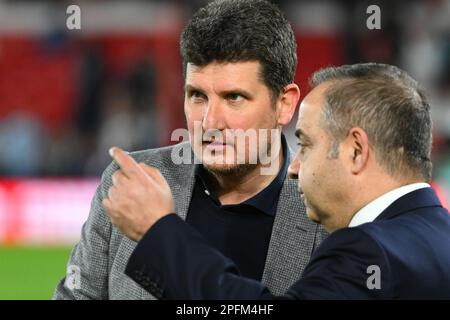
x=229, y=169
x=226, y=163
x=312, y=215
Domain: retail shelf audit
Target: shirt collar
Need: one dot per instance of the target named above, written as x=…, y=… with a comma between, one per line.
x=266, y=200
x=372, y=210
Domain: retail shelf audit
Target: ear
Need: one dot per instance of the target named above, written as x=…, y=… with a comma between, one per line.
x=357, y=149
x=287, y=103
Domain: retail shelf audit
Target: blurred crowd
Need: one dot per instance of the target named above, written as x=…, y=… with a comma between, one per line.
x=67, y=96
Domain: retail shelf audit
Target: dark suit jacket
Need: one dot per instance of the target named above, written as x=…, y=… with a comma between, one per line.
x=403, y=254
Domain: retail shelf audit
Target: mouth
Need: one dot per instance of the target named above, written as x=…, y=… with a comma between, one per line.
x=215, y=145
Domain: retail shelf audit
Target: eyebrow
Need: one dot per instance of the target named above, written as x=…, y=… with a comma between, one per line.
x=241, y=92
x=299, y=133
x=190, y=88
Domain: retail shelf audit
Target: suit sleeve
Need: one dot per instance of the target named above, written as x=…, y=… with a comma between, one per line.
x=87, y=269
x=173, y=261
x=349, y=264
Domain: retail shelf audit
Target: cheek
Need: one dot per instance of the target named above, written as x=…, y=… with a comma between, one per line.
x=303, y=164
x=310, y=174
x=193, y=115
x=306, y=180
x=239, y=119
x=267, y=118
x=190, y=113
x=258, y=114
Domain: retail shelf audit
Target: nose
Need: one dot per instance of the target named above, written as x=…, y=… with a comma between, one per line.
x=294, y=168
x=213, y=116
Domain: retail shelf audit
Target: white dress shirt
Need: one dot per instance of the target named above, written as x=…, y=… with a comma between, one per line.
x=373, y=209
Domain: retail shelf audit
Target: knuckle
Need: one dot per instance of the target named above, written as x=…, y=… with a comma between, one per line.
x=132, y=172
x=111, y=192
x=115, y=176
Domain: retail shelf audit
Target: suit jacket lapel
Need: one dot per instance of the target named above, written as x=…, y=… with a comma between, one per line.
x=182, y=194
x=183, y=186
x=291, y=243
x=292, y=239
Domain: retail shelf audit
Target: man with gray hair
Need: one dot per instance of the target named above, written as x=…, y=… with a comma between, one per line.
x=363, y=169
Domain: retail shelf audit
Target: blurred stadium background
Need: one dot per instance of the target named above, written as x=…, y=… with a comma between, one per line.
x=66, y=96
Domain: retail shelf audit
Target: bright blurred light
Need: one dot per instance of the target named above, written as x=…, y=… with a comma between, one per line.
x=44, y=211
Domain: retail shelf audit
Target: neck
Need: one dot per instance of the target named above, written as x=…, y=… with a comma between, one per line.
x=236, y=189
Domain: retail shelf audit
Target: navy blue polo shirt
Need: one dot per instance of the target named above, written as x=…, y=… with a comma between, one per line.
x=240, y=231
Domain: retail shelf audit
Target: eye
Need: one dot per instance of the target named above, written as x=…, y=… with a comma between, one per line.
x=196, y=96
x=235, y=97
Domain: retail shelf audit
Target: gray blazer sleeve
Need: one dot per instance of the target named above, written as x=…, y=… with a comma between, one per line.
x=88, y=266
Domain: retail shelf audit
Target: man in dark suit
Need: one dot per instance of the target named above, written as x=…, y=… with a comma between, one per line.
x=363, y=167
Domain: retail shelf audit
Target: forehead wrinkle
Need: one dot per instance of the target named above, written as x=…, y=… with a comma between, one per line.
x=224, y=81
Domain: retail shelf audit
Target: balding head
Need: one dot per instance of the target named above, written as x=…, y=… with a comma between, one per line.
x=389, y=105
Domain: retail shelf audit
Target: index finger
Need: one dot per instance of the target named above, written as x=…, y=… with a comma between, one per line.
x=128, y=165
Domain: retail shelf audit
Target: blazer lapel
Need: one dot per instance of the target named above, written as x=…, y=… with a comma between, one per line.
x=291, y=243
x=183, y=186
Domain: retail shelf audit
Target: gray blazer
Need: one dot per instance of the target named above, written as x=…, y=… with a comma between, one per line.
x=100, y=257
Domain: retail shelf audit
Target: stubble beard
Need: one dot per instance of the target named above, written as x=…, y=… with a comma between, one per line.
x=235, y=171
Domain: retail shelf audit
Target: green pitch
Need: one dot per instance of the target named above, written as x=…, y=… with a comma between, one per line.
x=31, y=272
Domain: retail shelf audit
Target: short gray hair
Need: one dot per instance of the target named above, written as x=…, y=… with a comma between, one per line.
x=388, y=104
